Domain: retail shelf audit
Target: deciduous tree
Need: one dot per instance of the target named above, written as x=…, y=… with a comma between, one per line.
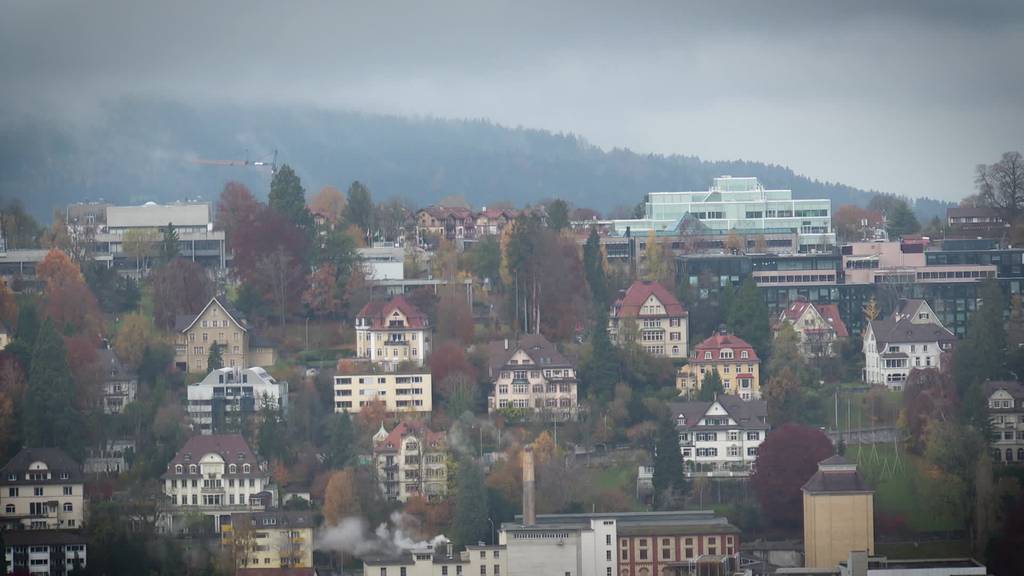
x=134, y=335
x=182, y=287
x=329, y=203
x=786, y=460
x=1001, y=185
x=237, y=208
x=340, y=498
x=322, y=294
x=929, y=396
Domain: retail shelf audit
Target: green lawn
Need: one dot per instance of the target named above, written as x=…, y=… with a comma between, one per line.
x=905, y=488
x=858, y=409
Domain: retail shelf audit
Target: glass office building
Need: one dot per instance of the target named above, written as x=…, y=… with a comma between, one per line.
x=742, y=206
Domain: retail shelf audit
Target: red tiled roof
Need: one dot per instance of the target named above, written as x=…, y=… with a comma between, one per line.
x=795, y=309
x=830, y=312
x=378, y=312
x=410, y=428
x=716, y=343
x=632, y=302
x=231, y=447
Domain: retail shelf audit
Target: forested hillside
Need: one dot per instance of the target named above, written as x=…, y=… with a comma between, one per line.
x=140, y=150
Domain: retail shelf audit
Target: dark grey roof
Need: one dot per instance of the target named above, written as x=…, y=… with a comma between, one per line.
x=56, y=460
x=1012, y=387
x=836, y=475
x=634, y=523
x=899, y=327
x=959, y=212
x=543, y=353
x=283, y=518
x=746, y=413
x=403, y=559
x=113, y=368
x=183, y=321
x=834, y=460
x=43, y=538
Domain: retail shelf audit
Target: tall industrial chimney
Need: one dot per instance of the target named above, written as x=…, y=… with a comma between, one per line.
x=529, y=506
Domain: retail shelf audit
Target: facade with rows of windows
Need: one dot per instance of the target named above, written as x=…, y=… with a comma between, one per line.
x=1006, y=415
x=42, y=489
x=400, y=392
x=721, y=437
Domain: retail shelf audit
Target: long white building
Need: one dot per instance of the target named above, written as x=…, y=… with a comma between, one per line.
x=233, y=394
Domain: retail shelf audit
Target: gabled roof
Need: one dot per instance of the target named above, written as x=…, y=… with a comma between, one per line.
x=185, y=322
x=746, y=413
x=639, y=292
x=541, y=351
x=830, y=312
x=232, y=448
x=406, y=429
x=113, y=368
x=716, y=343
x=899, y=328
x=57, y=462
x=1011, y=387
x=378, y=311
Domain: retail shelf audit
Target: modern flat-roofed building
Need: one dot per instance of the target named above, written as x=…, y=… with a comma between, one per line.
x=743, y=205
x=233, y=395
x=400, y=391
x=45, y=552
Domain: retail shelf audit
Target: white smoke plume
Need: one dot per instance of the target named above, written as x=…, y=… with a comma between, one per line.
x=352, y=536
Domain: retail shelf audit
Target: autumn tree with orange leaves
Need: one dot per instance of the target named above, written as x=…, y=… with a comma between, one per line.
x=67, y=301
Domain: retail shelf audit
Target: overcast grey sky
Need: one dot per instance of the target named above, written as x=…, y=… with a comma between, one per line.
x=901, y=96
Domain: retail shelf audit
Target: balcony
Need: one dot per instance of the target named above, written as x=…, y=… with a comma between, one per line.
x=212, y=490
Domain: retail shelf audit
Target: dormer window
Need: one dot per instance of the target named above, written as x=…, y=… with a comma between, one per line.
x=64, y=476
x=232, y=469
x=193, y=469
x=707, y=355
x=246, y=468
x=12, y=477
x=744, y=354
x=179, y=469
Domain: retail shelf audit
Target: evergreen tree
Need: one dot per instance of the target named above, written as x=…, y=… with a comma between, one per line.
x=469, y=523
x=50, y=417
x=558, y=215
x=169, y=248
x=900, y=220
x=288, y=198
x=359, y=209
x=593, y=269
x=25, y=335
x=340, y=437
x=668, y=479
x=601, y=371
x=215, y=360
x=710, y=386
x=748, y=317
x=981, y=355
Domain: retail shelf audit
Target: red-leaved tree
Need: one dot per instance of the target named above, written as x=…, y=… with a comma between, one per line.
x=786, y=460
x=236, y=209
x=182, y=287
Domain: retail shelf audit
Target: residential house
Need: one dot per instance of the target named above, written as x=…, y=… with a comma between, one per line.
x=42, y=489
x=119, y=384
x=818, y=325
x=653, y=317
x=44, y=552
x=531, y=375
x=270, y=539
x=732, y=357
x=392, y=332
x=912, y=337
x=216, y=476
x=233, y=395
x=356, y=385
x=112, y=457
x=721, y=437
x=978, y=222
x=1006, y=415
x=440, y=560
x=447, y=222
x=838, y=514
x=411, y=460
x=492, y=221
x=218, y=323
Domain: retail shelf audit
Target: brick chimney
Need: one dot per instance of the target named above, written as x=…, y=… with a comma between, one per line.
x=529, y=506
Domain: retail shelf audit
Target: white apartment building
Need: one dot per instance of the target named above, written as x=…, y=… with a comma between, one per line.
x=531, y=375
x=720, y=438
x=390, y=332
x=440, y=560
x=399, y=391
x=651, y=315
x=216, y=476
x=44, y=552
x=411, y=460
x=383, y=262
x=912, y=337
x=42, y=489
x=233, y=395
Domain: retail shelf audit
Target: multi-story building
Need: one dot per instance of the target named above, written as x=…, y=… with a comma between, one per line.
x=911, y=337
x=732, y=357
x=742, y=205
x=531, y=375
x=440, y=560
x=42, y=489
x=112, y=457
x=219, y=324
x=818, y=326
x=621, y=543
x=492, y=221
x=233, y=395
x=411, y=460
x=125, y=237
x=45, y=552
x=838, y=514
x=448, y=222
x=392, y=332
x=1006, y=415
x=649, y=314
x=383, y=262
x=975, y=223
x=721, y=437
x=216, y=476
x=119, y=384
x=270, y=539
x=401, y=391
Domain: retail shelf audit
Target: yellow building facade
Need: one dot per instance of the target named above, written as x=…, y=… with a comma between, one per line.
x=273, y=539
x=838, y=514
